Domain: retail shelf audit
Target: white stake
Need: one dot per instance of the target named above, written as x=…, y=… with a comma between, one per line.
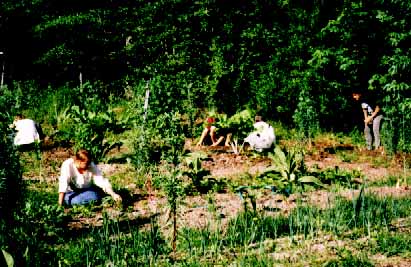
x=146, y=100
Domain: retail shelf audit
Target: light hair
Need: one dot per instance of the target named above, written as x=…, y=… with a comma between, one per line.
x=83, y=155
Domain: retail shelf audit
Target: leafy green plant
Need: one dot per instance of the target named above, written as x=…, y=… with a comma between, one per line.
x=347, y=259
x=157, y=139
x=11, y=183
x=9, y=261
x=288, y=170
x=339, y=176
x=91, y=130
x=391, y=244
x=241, y=123
x=195, y=170
x=173, y=189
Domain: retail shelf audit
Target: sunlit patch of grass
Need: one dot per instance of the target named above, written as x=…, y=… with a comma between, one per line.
x=39, y=190
x=32, y=164
x=393, y=244
x=380, y=162
x=346, y=258
x=333, y=139
x=111, y=245
x=347, y=156
x=128, y=176
x=389, y=180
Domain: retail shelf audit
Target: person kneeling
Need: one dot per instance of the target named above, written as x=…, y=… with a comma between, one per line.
x=80, y=181
x=263, y=137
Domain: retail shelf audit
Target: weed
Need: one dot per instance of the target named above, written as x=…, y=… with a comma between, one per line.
x=347, y=156
x=347, y=259
x=393, y=244
x=339, y=176
x=195, y=170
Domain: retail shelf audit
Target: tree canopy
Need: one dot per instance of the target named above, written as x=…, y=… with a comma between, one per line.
x=293, y=61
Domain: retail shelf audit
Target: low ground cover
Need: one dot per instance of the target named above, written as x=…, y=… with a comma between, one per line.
x=359, y=216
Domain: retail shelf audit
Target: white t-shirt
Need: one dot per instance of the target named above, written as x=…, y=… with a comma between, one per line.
x=26, y=132
x=70, y=178
x=263, y=137
x=367, y=107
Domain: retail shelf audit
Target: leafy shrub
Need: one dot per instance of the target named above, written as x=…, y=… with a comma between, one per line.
x=89, y=123
x=241, y=123
x=91, y=131
x=11, y=185
x=338, y=176
x=288, y=170
x=158, y=139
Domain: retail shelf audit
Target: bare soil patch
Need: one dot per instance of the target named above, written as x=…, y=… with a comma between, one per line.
x=222, y=162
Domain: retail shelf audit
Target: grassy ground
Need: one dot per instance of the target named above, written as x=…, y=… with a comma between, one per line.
x=360, y=217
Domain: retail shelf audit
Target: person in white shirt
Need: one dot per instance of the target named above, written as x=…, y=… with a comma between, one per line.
x=26, y=131
x=263, y=137
x=78, y=180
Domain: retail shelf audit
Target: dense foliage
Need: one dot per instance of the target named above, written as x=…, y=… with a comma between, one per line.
x=289, y=60
x=10, y=171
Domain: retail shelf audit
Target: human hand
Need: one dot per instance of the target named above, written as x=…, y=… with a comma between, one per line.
x=116, y=197
x=368, y=120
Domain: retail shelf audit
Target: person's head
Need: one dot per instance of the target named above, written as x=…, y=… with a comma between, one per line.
x=82, y=159
x=210, y=120
x=19, y=117
x=356, y=95
x=258, y=118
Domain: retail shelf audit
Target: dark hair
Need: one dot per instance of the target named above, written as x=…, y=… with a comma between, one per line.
x=19, y=116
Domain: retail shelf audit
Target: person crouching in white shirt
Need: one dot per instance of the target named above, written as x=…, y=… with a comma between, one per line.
x=26, y=131
x=80, y=181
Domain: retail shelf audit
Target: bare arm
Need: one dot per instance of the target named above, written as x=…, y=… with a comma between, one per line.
x=103, y=183
x=368, y=119
x=61, y=198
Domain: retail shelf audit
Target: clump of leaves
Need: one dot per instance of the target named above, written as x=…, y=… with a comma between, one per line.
x=338, y=176
x=92, y=131
x=195, y=170
x=10, y=170
x=158, y=139
x=346, y=258
x=173, y=189
x=288, y=170
x=242, y=123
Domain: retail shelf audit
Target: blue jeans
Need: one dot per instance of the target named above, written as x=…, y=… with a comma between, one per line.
x=82, y=197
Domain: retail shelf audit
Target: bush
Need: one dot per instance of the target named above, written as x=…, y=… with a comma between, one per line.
x=10, y=171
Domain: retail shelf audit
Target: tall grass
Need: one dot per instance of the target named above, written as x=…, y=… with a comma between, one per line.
x=114, y=244
x=247, y=240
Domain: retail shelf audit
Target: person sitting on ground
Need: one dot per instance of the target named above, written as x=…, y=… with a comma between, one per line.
x=27, y=133
x=211, y=129
x=263, y=137
x=81, y=182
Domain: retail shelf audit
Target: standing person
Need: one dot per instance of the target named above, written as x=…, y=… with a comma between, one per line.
x=372, y=112
x=80, y=181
